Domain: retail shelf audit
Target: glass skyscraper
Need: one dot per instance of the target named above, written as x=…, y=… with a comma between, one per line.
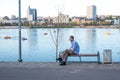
x=32, y=14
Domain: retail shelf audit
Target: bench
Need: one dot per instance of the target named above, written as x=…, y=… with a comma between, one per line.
x=88, y=55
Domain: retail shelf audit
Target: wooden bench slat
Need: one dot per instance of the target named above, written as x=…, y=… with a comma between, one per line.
x=87, y=55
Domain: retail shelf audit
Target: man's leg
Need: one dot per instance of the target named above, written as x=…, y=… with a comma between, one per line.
x=67, y=53
x=61, y=55
x=64, y=55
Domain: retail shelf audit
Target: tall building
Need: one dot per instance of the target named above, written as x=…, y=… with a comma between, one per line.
x=91, y=12
x=32, y=14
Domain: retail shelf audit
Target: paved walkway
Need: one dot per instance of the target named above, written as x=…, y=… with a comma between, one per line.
x=52, y=71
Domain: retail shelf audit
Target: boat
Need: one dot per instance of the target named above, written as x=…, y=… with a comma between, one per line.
x=7, y=37
x=107, y=33
x=45, y=33
x=24, y=38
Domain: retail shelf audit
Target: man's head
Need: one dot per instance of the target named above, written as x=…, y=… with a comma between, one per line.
x=71, y=38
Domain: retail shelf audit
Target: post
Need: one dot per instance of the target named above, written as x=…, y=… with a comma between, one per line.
x=20, y=47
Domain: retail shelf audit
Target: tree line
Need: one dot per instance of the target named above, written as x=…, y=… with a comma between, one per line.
x=70, y=24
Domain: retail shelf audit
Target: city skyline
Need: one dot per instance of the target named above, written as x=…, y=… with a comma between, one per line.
x=49, y=7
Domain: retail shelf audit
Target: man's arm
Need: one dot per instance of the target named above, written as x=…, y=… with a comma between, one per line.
x=73, y=46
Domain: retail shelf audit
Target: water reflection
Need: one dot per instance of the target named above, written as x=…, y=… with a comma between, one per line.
x=91, y=40
x=32, y=37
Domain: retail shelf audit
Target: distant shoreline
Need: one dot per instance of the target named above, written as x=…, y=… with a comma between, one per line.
x=23, y=27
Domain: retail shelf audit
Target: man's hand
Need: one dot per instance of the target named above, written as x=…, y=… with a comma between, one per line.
x=72, y=49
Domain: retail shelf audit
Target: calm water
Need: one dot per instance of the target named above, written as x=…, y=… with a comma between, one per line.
x=40, y=47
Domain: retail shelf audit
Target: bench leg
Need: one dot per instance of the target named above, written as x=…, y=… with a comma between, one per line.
x=98, y=57
x=80, y=58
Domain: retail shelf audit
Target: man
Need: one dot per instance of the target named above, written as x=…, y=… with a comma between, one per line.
x=74, y=50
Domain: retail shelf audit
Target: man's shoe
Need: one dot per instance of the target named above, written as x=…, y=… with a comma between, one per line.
x=60, y=60
x=63, y=64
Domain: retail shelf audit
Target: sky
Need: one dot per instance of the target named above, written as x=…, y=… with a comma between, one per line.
x=47, y=8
